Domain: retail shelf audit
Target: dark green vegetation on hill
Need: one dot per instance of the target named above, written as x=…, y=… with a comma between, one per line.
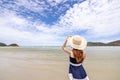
x=2, y=44
x=113, y=43
x=14, y=44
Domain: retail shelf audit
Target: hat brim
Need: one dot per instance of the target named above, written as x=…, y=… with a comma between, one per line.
x=82, y=46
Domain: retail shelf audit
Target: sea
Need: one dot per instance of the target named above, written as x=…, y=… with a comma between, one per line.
x=52, y=63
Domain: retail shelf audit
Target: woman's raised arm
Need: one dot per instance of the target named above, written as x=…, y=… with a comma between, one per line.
x=65, y=48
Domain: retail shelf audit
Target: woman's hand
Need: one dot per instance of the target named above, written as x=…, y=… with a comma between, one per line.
x=68, y=38
x=64, y=46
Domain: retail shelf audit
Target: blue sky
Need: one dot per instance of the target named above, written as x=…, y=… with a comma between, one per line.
x=49, y=22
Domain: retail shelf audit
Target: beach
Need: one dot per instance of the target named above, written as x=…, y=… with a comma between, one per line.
x=51, y=63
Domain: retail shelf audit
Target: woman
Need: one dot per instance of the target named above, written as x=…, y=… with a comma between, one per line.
x=77, y=56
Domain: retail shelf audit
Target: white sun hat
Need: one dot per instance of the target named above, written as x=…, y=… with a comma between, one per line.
x=77, y=42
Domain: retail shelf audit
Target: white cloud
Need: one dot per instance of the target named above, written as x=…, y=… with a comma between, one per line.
x=35, y=6
x=13, y=28
x=54, y=2
x=38, y=5
x=9, y=19
x=100, y=18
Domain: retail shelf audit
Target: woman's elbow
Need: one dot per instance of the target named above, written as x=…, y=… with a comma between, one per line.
x=63, y=48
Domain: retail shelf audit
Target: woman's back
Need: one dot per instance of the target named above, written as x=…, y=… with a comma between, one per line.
x=77, y=55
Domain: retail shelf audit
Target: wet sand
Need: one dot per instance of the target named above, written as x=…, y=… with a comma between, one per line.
x=51, y=63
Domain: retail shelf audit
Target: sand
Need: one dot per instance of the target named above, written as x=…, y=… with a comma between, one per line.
x=51, y=63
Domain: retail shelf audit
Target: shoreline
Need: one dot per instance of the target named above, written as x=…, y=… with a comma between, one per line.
x=52, y=64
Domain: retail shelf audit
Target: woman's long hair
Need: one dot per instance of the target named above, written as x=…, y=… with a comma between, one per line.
x=78, y=54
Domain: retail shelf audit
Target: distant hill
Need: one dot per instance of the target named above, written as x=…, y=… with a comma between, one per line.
x=14, y=44
x=2, y=44
x=96, y=44
x=113, y=43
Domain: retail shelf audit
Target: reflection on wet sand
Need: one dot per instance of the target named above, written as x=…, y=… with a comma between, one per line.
x=102, y=63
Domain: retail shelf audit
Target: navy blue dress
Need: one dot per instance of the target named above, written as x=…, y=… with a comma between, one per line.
x=76, y=70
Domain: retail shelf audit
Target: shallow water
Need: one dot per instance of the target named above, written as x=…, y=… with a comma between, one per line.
x=51, y=63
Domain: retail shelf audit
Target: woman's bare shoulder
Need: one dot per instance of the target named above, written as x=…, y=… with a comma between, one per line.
x=84, y=54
